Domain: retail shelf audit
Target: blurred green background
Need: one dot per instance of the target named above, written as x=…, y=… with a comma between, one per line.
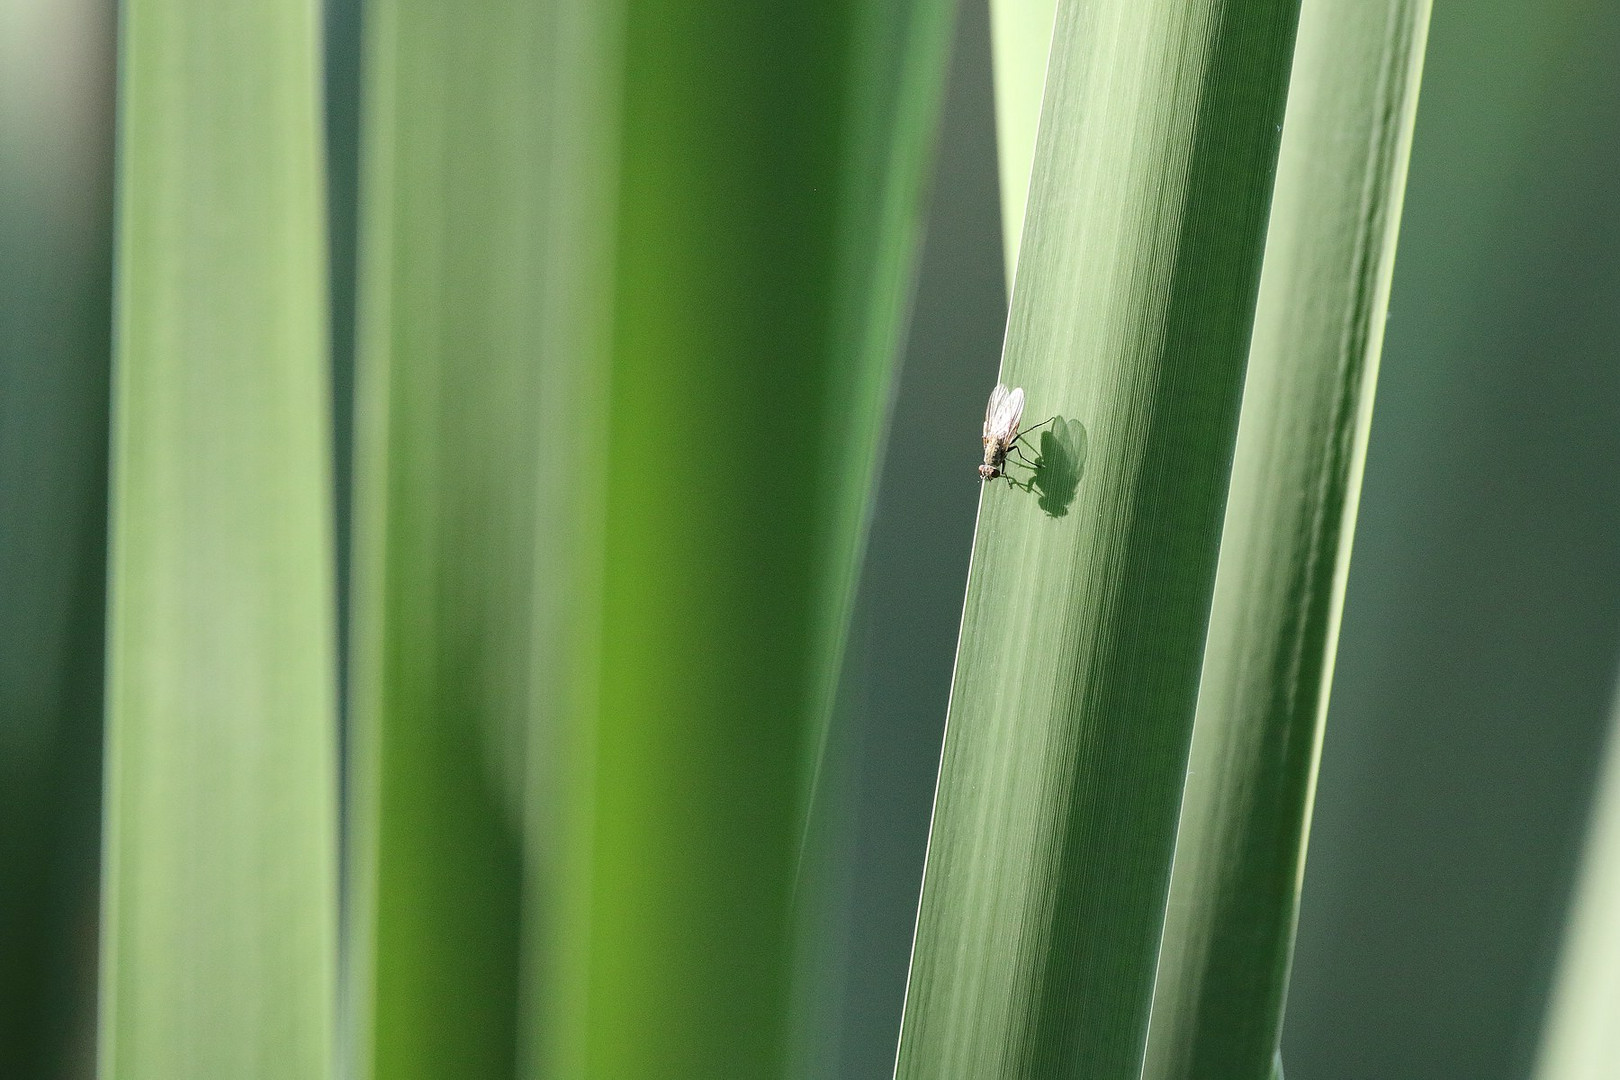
x=1482, y=625
x=56, y=89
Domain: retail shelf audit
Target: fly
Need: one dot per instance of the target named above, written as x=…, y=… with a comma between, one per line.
x=1001, y=419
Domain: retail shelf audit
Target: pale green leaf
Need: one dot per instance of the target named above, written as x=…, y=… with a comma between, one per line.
x=1020, y=39
x=219, y=917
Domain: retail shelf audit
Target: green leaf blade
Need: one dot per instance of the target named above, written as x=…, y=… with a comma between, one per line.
x=1223, y=969
x=449, y=451
x=1078, y=664
x=762, y=273
x=219, y=910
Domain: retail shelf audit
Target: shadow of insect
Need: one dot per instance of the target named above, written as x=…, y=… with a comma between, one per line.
x=1056, y=469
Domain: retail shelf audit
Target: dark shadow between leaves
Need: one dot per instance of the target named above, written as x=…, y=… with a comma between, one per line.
x=1057, y=468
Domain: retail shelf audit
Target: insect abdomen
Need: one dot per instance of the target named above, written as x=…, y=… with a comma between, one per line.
x=995, y=457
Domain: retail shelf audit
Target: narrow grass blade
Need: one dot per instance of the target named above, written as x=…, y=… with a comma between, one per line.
x=582, y=51
x=1078, y=664
x=1285, y=548
x=896, y=82
x=1580, y=1040
x=892, y=91
x=769, y=195
x=1020, y=41
x=451, y=442
x=219, y=910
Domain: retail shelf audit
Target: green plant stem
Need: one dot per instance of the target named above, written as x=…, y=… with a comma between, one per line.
x=899, y=50
x=1285, y=547
x=769, y=189
x=219, y=909
x=1077, y=670
x=455, y=427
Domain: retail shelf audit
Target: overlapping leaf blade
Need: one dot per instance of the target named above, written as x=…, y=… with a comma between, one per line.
x=1285, y=545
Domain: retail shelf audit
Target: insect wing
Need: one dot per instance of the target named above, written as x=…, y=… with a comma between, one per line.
x=1002, y=422
x=998, y=397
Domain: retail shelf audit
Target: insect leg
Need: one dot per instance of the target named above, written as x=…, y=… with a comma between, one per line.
x=1028, y=431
